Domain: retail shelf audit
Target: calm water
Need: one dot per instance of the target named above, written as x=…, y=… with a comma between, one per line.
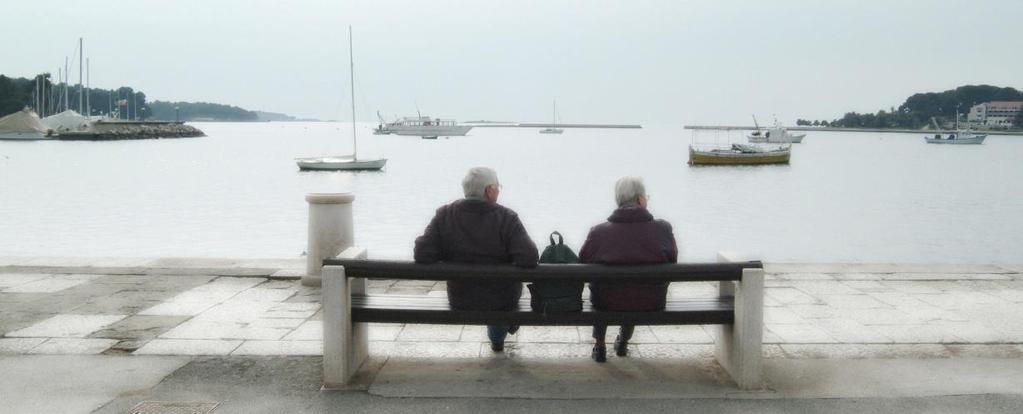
x=858, y=197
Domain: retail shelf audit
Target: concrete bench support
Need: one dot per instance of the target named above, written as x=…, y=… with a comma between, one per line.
x=345, y=344
x=330, y=231
x=738, y=347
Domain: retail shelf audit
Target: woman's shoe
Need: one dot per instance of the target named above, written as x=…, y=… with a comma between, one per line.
x=599, y=353
x=621, y=346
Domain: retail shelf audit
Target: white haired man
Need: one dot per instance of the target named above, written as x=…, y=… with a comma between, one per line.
x=631, y=235
x=476, y=229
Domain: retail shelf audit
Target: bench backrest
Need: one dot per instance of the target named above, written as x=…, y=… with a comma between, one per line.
x=674, y=272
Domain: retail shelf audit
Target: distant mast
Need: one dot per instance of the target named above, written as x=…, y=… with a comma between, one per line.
x=351, y=61
x=81, y=92
x=88, y=107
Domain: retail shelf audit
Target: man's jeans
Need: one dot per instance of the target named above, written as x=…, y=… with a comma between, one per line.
x=497, y=333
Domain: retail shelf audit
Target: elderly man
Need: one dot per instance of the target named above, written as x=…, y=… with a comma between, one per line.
x=630, y=236
x=478, y=230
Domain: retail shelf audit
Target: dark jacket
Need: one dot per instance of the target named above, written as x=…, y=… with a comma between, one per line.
x=475, y=231
x=630, y=236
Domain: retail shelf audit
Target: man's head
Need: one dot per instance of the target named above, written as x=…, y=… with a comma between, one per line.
x=481, y=183
x=630, y=191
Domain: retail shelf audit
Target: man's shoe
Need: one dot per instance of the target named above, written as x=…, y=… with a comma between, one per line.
x=512, y=329
x=599, y=353
x=621, y=346
x=497, y=347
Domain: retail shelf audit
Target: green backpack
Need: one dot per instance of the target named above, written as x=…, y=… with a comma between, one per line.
x=547, y=297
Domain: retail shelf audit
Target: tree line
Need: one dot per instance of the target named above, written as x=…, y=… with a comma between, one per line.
x=917, y=111
x=121, y=103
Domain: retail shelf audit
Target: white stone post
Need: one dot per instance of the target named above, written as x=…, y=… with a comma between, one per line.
x=345, y=344
x=330, y=231
x=738, y=347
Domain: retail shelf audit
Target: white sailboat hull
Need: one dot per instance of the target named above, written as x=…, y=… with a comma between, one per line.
x=427, y=131
x=340, y=163
x=787, y=139
x=551, y=131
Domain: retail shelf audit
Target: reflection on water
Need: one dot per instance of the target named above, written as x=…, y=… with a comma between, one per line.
x=860, y=197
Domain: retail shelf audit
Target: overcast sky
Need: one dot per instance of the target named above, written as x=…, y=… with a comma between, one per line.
x=649, y=62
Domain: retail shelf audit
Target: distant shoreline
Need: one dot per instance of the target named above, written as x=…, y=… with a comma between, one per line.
x=882, y=130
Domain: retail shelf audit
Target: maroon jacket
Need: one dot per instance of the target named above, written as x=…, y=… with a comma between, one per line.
x=475, y=231
x=630, y=236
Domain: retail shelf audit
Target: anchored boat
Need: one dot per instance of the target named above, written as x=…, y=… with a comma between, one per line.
x=421, y=126
x=739, y=154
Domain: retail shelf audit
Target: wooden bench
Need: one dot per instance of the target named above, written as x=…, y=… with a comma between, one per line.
x=738, y=311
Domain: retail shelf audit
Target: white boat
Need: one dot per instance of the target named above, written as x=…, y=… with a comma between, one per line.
x=23, y=125
x=344, y=162
x=421, y=126
x=776, y=134
x=554, y=129
x=959, y=137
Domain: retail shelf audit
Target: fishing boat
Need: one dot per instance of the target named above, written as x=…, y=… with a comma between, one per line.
x=776, y=134
x=344, y=162
x=554, y=129
x=421, y=126
x=959, y=137
x=739, y=154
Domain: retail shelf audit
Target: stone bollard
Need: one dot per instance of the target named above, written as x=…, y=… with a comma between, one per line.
x=330, y=231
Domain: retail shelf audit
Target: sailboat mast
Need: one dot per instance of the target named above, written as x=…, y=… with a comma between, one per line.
x=351, y=61
x=88, y=107
x=81, y=92
x=554, y=116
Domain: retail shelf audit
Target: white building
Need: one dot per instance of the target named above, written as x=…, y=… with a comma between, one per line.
x=995, y=114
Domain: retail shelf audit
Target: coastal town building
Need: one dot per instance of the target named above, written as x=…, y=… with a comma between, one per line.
x=995, y=114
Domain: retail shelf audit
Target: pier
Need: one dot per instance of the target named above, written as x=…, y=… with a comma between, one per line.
x=536, y=125
x=124, y=130
x=833, y=129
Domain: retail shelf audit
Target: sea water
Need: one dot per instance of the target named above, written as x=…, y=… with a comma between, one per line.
x=845, y=197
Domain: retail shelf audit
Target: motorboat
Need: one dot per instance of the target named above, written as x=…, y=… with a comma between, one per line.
x=959, y=137
x=964, y=137
x=421, y=126
x=775, y=135
x=739, y=154
x=344, y=162
x=24, y=125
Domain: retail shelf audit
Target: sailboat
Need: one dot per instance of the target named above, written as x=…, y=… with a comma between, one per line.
x=344, y=162
x=554, y=129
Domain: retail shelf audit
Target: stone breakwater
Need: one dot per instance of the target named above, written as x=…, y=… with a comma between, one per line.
x=106, y=131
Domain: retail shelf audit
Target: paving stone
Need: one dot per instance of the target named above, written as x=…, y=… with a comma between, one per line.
x=139, y=327
x=67, y=326
x=433, y=333
x=278, y=284
x=291, y=310
x=550, y=334
x=277, y=323
x=193, y=329
x=670, y=351
x=790, y=296
x=79, y=346
x=188, y=347
x=865, y=285
x=264, y=295
x=918, y=334
x=427, y=349
x=805, y=276
x=819, y=288
x=782, y=316
x=854, y=302
x=850, y=331
x=51, y=284
x=8, y=280
x=986, y=351
x=476, y=333
x=800, y=334
x=545, y=350
x=641, y=335
x=280, y=348
x=313, y=331
x=813, y=311
x=15, y=346
x=686, y=334
x=962, y=300
x=865, y=351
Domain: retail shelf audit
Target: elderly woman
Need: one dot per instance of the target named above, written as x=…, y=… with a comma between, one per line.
x=630, y=236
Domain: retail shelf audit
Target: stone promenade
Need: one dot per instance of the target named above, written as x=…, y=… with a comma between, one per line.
x=226, y=307
x=112, y=335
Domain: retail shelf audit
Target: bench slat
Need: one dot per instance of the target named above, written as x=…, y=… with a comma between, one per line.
x=673, y=272
x=435, y=310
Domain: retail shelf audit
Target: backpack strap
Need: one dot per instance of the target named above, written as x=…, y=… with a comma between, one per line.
x=561, y=239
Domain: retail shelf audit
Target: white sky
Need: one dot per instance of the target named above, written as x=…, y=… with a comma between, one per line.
x=649, y=62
